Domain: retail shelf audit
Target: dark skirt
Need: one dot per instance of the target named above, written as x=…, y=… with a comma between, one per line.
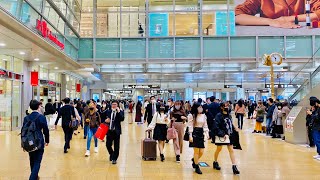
x=198, y=138
x=160, y=132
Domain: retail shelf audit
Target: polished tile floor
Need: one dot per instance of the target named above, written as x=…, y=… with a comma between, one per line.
x=261, y=158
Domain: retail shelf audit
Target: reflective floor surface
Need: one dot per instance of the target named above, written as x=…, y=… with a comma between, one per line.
x=261, y=158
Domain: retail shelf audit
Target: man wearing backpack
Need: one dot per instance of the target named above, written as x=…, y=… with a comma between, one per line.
x=32, y=132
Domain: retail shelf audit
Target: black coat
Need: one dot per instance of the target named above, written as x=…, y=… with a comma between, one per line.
x=65, y=112
x=148, y=113
x=117, y=121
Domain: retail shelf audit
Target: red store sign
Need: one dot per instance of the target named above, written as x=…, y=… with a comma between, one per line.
x=46, y=33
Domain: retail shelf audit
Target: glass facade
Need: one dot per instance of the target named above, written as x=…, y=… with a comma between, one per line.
x=10, y=92
x=62, y=17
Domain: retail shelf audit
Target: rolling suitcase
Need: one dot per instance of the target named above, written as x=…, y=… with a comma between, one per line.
x=102, y=131
x=148, y=148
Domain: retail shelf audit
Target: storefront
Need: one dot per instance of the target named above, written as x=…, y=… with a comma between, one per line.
x=71, y=87
x=10, y=93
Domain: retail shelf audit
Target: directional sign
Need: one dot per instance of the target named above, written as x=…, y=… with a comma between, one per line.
x=232, y=86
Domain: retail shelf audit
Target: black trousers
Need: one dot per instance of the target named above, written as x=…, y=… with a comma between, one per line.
x=35, y=158
x=113, y=138
x=310, y=136
x=67, y=136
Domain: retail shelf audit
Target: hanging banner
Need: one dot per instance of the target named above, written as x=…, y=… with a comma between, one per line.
x=78, y=87
x=34, y=78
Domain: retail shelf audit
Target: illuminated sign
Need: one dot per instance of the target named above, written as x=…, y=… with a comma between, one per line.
x=42, y=27
x=232, y=86
x=282, y=86
x=141, y=86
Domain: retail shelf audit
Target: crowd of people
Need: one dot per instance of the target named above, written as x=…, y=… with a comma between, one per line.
x=195, y=121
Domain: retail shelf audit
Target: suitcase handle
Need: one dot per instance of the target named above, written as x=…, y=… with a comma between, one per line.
x=148, y=134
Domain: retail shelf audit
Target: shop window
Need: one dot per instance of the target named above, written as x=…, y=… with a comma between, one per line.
x=186, y=24
x=5, y=104
x=191, y=5
x=36, y=3
x=217, y=4
x=133, y=24
x=29, y=16
x=61, y=6
x=72, y=19
x=108, y=6
x=10, y=6
x=18, y=66
x=161, y=24
x=133, y=5
x=43, y=73
x=6, y=62
x=156, y=5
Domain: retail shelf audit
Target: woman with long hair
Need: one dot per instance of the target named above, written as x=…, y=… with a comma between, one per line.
x=138, y=112
x=178, y=118
x=197, y=123
x=224, y=128
x=159, y=125
x=240, y=110
x=260, y=112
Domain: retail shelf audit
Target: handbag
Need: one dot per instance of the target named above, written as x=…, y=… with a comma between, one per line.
x=172, y=133
x=260, y=119
x=186, y=135
x=222, y=140
x=73, y=123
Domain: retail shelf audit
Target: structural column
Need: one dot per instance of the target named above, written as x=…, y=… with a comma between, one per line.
x=188, y=94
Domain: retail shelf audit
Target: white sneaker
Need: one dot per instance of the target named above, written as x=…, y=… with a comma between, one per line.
x=318, y=159
x=96, y=150
x=317, y=156
x=87, y=153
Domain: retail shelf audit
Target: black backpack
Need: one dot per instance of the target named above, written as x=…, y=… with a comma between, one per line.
x=31, y=137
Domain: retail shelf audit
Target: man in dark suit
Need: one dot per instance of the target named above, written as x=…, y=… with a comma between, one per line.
x=35, y=157
x=114, y=117
x=151, y=109
x=66, y=112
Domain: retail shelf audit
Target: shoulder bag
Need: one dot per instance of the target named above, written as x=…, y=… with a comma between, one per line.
x=73, y=123
x=171, y=132
x=222, y=140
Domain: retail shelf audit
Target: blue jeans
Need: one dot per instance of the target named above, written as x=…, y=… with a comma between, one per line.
x=316, y=138
x=268, y=124
x=91, y=133
x=86, y=127
x=35, y=158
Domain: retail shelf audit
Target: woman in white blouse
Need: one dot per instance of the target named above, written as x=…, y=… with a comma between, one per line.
x=198, y=127
x=159, y=124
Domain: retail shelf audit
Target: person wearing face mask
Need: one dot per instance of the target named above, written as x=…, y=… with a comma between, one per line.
x=224, y=128
x=277, y=121
x=114, y=118
x=198, y=127
x=159, y=125
x=178, y=118
x=103, y=112
x=150, y=110
x=92, y=120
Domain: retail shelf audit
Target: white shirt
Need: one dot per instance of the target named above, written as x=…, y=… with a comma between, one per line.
x=201, y=123
x=158, y=119
x=115, y=114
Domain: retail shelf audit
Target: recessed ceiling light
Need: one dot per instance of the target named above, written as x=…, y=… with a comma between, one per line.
x=4, y=59
x=22, y=53
x=56, y=68
x=36, y=59
x=2, y=44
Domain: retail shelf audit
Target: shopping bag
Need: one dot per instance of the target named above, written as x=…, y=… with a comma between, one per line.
x=102, y=131
x=60, y=122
